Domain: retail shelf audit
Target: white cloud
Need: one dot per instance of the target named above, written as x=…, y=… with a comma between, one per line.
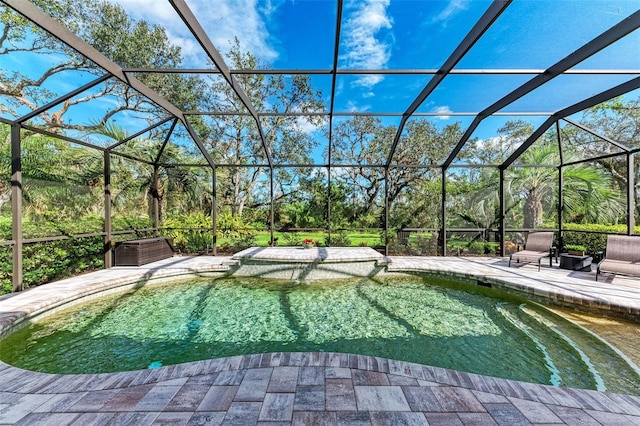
x=452, y=9
x=363, y=49
x=354, y=107
x=495, y=143
x=443, y=110
x=223, y=20
x=306, y=126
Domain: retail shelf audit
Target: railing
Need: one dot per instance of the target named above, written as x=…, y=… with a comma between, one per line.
x=402, y=241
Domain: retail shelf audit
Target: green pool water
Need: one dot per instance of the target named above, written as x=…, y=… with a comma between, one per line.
x=409, y=318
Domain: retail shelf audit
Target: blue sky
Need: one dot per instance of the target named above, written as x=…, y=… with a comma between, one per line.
x=412, y=34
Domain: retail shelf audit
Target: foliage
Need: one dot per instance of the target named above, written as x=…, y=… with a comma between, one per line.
x=588, y=192
x=233, y=226
x=479, y=247
x=237, y=141
x=426, y=243
x=292, y=239
x=365, y=140
x=53, y=260
x=106, y=27
x=593, y=236
x=338, y=239
x=244, y=242
x=63, y=183
x=191, y=233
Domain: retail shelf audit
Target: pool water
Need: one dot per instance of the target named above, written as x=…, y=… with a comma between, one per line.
x=409, y=318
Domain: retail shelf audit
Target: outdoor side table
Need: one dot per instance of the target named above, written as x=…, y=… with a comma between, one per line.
x=577, y=263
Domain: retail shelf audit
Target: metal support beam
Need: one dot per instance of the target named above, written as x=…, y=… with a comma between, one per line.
x=201, y=36
x=560, y=205
x=49, y=24
x=61, y=137
x=443, y=213
x=367, y=114
x=621, y=29
x=108, y=246
x=355, y=71
x=63, y=98
x=336, y=48
x=587, y=103
x=598, y=135
x=214, y=210
x=329, y=204
x=386, y=212
x=156, y=200
x=560, y=200
x=198, y=142
x=141, y=132
x=165, y=142
x=501, y=225
x=631, y=194
x=486, y=20
x=16, y=206
x=271, y=207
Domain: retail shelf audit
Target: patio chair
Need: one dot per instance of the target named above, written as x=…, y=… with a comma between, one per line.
x=538, y=246
x=622, y=256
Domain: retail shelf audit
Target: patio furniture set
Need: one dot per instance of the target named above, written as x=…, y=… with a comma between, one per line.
x=622, y=255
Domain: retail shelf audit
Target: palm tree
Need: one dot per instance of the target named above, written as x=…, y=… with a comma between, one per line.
x=589, y=193
x=190, y=187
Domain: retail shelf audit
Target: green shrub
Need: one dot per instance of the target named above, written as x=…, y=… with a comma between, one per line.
x=124, y=223
x=292, y=239
x=475, y=247
x=339, y=239
x=231, y=226
x=591, y=241
x=191, y=233
x=575, y=247
x=424, y=243
x=241, y=243
x=53, y=260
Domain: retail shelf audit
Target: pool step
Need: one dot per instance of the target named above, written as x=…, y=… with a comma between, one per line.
x=230, y=264
x=566, y=363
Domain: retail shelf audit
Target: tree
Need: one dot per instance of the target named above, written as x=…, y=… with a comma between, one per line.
x=589, y=194
x=618, y=120
x=234, y=140
x=106, y=27
x=189, y=186
x=364, y=140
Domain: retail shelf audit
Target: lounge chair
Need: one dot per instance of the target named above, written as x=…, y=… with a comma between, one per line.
x=622, y=256
x=538, y=246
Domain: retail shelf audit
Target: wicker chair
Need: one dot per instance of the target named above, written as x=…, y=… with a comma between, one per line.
x=621, y=257
x=538, y=246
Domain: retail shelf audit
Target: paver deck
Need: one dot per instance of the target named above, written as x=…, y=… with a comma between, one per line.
x=313, y=388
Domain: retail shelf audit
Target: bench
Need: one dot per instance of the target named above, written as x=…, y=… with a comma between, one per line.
x=140, y=252
x=622, y=256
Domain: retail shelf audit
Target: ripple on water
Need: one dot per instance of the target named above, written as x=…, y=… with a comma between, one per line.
x=411, y=318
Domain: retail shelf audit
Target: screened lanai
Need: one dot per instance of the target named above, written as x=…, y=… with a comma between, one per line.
x=415, y=127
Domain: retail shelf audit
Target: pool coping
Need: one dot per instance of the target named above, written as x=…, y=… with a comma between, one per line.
x=28, y=394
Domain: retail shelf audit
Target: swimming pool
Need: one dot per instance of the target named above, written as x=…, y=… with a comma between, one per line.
x=417, y=319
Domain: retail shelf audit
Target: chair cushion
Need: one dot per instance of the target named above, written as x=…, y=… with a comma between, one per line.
x=529, y=255
x=623, y=247
x=620, y=267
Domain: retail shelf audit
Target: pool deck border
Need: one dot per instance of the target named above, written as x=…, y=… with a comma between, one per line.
x=313, y=388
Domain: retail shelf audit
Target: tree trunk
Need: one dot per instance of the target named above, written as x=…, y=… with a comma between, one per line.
x=533, y=209
x=156, y=190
